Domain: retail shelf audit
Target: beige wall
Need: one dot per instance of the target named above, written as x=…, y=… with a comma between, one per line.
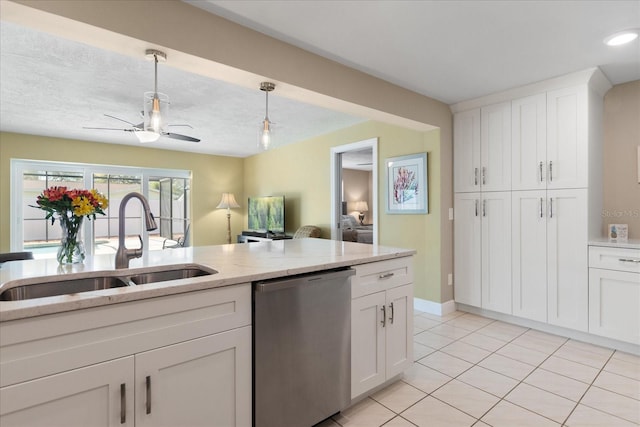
x=304, y=179
x=621, y=141
x=212, y=175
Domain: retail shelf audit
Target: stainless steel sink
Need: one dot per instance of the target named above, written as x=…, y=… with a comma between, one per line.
x=170, y=274
x=53, y=286
x=65, y=287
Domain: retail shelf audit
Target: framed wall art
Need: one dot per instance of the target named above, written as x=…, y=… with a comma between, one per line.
x=407, y=186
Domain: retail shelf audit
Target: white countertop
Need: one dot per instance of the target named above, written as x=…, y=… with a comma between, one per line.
x=235, y=263
x=631, y=244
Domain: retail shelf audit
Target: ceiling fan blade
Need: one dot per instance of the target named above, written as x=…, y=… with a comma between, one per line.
x=122, y=120
x=187, y=125
x=120, y=129
x=181, y=137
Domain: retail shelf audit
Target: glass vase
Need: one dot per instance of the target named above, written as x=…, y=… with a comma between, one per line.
x=71, y=250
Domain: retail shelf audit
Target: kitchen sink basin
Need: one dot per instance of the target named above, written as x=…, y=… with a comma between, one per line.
x=53, y=286
x=170, y=274
x=65, y=287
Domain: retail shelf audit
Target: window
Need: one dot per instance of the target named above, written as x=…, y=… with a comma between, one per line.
x=166, y=190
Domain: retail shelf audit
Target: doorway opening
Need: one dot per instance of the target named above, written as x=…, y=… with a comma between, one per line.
x=354, y=192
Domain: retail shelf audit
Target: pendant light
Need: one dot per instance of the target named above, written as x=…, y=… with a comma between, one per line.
x=265, y=132
x=156, y=105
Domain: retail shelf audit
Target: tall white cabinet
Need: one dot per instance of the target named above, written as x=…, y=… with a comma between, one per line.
x=544, y=205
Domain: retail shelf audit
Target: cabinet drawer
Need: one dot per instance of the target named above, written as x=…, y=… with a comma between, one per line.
x=39, y=346
x=380, y=276
x=620, y=259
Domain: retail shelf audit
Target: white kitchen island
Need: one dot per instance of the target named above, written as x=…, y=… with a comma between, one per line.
x=166, y=353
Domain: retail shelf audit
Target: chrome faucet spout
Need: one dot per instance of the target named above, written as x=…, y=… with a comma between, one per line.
x=123, y=255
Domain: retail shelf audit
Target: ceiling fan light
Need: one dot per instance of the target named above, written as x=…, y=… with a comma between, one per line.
x=156, y=111
x=146, y=136
x=620, y=38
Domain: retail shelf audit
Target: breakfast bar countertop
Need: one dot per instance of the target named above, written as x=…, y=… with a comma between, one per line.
x=234, y=263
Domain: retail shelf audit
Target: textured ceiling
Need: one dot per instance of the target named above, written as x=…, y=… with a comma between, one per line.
x=54, y=87
x=448, y=50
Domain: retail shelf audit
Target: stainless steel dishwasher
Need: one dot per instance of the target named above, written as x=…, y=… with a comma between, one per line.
x=301, y=348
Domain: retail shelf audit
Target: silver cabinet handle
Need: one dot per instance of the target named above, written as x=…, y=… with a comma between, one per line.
x=484, y=208
x=148, y=383
x=123, y=403
x=551, y=207
x=541, y=177
x=476, y=207
x=475, y=176
x=384, y=316
x=391, y=318
x=484, y=175
x=635, y=261
x=386, y=275
x=541, y=211
x=551, y=171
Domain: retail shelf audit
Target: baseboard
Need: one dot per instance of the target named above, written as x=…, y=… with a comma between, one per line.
x=436, y=308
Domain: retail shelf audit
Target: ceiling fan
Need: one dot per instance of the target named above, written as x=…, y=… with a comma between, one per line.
x=156, y=107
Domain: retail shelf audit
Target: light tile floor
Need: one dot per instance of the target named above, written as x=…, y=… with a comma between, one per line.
x=474, y=371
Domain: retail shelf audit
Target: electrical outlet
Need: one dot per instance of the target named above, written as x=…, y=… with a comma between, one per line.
x=450, y=214
x=450, y=279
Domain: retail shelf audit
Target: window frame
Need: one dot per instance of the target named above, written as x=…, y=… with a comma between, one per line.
x=20, y=166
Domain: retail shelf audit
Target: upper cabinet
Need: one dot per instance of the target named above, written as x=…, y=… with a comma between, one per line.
x=482, y=149
x=529, y=138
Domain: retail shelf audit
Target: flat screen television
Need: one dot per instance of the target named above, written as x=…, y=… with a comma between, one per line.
x=266, y=214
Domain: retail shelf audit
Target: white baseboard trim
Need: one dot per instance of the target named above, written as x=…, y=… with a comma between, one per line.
x=436, y=308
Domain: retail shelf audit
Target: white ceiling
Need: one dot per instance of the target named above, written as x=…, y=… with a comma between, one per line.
x=452, y=50
x=449, y=50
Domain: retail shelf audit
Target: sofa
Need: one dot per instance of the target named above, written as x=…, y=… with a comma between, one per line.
x=352, y=231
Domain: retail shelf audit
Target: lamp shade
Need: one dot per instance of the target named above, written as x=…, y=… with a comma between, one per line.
x=361, y=206
x=228, y=201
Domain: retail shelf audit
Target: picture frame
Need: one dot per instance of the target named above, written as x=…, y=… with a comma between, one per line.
x=618, y=232
x=407, y=188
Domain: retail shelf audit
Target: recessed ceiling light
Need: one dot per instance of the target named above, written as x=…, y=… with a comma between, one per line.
x=623, y=37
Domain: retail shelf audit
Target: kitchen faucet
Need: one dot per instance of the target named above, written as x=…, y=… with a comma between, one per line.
x=123, y=255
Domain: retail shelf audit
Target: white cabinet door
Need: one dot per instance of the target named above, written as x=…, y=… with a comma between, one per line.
x=496, y=251
x=205, y=381
x=529, y=143
x=466, y=151
x=529, y=254
x=467, y=248
x=98, y=395
x=399, y=330
x=367, y=343
x=567, y=261
x=614, y=304
x=567, y=138
x=495, y=147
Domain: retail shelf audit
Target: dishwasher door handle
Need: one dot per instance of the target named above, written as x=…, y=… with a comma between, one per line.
x=287, y=283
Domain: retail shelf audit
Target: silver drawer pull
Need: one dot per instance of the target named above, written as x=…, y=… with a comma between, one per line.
x=123, y=403
x=635, y=261
x=385, y=275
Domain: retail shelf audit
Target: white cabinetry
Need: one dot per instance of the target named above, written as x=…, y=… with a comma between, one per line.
x=614, y=293
x=90, y=367
x=381, y=323
x=549, y=257
x=551, y=132
x=97, y=395
x=482, y=242
x=482, y=149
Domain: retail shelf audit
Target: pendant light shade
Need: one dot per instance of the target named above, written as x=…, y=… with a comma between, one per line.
x=265, y=131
